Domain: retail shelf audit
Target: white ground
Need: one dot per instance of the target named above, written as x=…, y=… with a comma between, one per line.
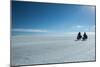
x=41, y=50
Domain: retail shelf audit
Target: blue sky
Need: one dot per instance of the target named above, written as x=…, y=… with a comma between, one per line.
x=44, y=18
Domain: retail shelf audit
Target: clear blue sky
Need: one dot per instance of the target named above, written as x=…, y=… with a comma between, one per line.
x=45, y=18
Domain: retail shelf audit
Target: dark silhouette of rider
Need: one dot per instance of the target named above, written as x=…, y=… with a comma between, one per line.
x=79, y=36
x=84, y=36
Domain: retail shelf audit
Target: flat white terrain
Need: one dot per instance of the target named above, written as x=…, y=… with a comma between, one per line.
x=29, y=49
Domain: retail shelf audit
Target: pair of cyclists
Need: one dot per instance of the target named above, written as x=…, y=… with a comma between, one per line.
x=79, y=36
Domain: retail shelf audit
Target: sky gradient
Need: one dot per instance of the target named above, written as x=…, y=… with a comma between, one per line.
x=45, y=18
